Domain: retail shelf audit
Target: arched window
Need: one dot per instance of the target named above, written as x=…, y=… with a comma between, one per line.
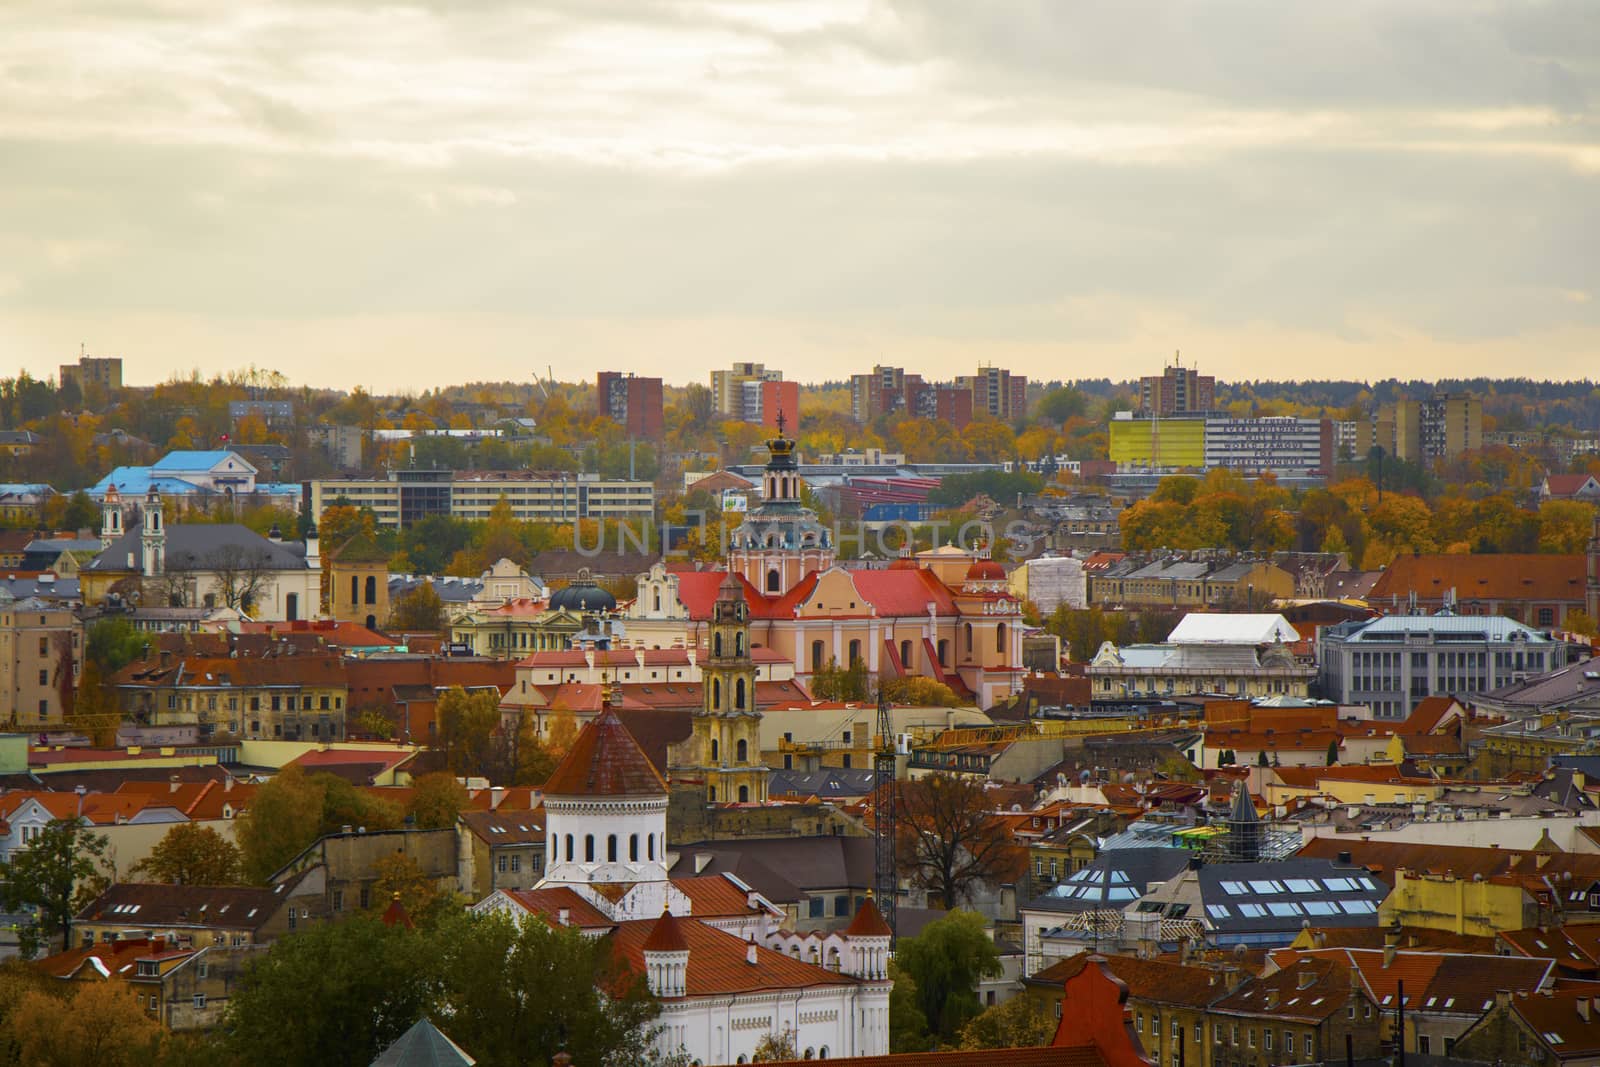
x=969, y=639
x=744, y=794
x=570, y=854
x=611, y=848
x=774, y=581
x=738, y=694
x=355, y=590
x=372, y=589
x=650, y=847
x=741, y=751
x=905, y=654
x=816, y=656
x=716, y=644
x=714, y=750
x=855, y=652
x=633, y=848
x=658, y=601
x=1000, y=638
x=588, y=848
x=716, y=694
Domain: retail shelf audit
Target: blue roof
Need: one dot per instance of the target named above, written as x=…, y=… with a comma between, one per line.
x=24, y=487
x=182, y=460
x=136, y=481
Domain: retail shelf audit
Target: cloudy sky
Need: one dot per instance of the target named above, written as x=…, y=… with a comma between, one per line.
x=420, y=193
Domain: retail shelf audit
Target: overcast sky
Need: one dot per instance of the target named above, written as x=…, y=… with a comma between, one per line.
x=424, y=193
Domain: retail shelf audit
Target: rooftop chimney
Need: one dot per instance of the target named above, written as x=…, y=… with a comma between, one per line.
x=750, y=957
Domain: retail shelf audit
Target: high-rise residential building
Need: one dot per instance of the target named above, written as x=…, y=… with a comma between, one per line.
x=631, y=402
x=765, y=400
x=1177, y=390
x=90, y=370
x=727, y=387
x=1421, y=431
x=947, y=403
x=40, y=642
x=998, y=393
x=885, y=391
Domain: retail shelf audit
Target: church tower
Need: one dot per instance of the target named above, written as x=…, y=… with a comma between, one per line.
x=727, y=729
x=110, y=518
x=153, y=535
x=780, y=540
x=606, y=814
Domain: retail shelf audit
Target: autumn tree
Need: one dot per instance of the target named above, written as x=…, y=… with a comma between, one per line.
x=1021, y=1022
x=98, y=1023
x=919, y=691
x=47, y=878
x=436, y=800
x=398, y=877
x=191, y=854
x=467, y=726
x=775, y=1048
x=949, y=840
x=1565, y=526
x=946, y=961
x=418, y=611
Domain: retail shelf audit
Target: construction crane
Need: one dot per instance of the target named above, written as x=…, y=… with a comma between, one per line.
x=883, y=790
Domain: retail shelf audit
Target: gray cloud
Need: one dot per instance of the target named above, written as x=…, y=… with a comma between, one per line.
x=999, y=177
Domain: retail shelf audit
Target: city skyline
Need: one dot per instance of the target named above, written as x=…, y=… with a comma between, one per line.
x=410, y=197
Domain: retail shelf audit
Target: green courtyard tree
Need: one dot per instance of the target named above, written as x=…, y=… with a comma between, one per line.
x=191, y=854
x=46, y=878
x=946, y=962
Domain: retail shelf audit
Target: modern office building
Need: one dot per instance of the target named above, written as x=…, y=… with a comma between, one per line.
x=1279, y=444
x=405, y=496
x=1392, y=663
x=631, y=402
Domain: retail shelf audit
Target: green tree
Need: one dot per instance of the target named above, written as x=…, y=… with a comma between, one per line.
x=284, y=817
x=775, y=1048
x=946, y=961
x=515, y=993
x=46, y=878
x=436, y=800
x=81, y=512
x=908, y=1026
x=112, y=643
x=336, y=993
x=191, y=854
x=1333, y=751
x=1020, y=1022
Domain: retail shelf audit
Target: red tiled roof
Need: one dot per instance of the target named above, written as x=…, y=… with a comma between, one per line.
x=868, y=922
x=1565, y=484
x=1157, y=981
x=907, y=592
x=665, y=936
x=718, y=961
x=1503, y=576
x=713, y=896
x=549, y=903
x=605, y=760
x=1425, y=717
x=1559, y=1014
x=1043, y=1056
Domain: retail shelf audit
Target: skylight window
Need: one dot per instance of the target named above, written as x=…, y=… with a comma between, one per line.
x=1284, y=909
x=1218, y=911
x=1358, y=907
x=1302, y=885
x=1339, y=885
x=1253, y=911
x=1237, y=889
x=1267, y=886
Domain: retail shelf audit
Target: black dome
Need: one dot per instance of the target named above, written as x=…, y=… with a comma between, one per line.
x=583, y=595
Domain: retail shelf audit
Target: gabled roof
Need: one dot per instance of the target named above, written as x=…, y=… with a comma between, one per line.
x=196, y=545
x=666, y=935
x=192, y=460
x=157, y=905
x=1501, y=576
x=868, y=921
x=605, y=760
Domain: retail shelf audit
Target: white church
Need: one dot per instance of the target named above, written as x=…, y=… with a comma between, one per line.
x=711, y=949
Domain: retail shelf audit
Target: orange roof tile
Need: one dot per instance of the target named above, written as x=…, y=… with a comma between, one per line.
x=1503, y=576
x=719, y=962
x=665, y=936
x=868, y=921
